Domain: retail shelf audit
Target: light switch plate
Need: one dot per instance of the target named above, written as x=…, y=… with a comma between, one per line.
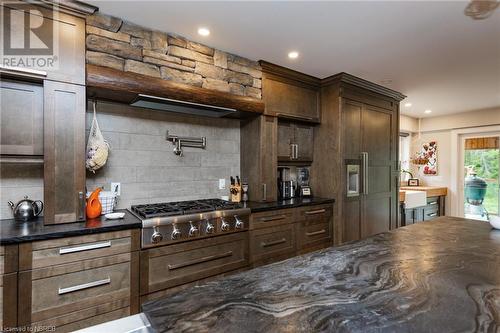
x=117, y=188
x=222, y=184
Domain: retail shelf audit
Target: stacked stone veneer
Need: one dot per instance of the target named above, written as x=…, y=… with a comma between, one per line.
x=112, y=42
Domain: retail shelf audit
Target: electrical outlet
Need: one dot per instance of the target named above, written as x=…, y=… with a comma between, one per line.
x=117, y=188
x=222, y=184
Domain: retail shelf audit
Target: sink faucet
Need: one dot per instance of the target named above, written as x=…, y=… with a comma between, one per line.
x=408, y=172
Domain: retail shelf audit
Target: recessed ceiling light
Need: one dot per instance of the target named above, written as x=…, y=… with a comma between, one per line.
x=407, y=105
x=293, y=55
x=428, y=111
x=203, y=31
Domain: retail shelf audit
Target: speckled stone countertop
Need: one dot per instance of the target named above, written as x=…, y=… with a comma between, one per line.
x=13, y=232
x=257, y=206
x=436, y=276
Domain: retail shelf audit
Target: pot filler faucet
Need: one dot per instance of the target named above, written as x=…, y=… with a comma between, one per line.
x=180, y=142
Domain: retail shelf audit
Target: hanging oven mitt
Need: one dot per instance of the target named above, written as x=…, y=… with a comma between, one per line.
x=97, y=147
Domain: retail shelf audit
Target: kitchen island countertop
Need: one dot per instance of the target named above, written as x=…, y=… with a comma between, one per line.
x=436, y=276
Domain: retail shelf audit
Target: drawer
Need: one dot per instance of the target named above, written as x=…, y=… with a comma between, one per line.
x=272, y=242
x=71, y=249
x=433, y=201
x=85, y=318
x=315, y=212
x=169, y=266
x=431, y=213
x=271, y=218
x=67, y=289
x=313, y=235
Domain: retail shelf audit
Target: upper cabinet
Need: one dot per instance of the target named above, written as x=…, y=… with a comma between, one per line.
x=21, y=119
x=295, y=142
x=59, y=40
x=289, y=94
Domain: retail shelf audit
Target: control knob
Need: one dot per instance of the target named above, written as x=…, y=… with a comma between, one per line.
x=193, y=231
x=156, y=237
x=210, y=228
x=224, y=226
x=176, y=233
x=239, y=222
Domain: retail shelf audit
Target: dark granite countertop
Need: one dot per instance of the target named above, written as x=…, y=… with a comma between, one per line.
x=436, y=276
x=257, y=206
x=12, y=232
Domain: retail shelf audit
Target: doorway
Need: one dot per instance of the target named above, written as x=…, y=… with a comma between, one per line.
x=480, y=191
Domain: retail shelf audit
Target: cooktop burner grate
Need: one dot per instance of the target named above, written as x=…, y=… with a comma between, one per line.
x=182, y=208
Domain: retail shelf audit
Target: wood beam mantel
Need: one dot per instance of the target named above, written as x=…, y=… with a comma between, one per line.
x=115, y=85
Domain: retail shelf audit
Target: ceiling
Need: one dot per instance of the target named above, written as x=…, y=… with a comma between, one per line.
x=430, y=51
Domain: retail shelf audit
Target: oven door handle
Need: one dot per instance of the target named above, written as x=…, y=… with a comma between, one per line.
x=200, y=260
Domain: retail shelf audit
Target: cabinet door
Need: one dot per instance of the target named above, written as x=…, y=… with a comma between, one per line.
x=64, y=136
x=268, y=171
x=378, y=128
x=21, y=125
x=285, y=139
x=351, y=210
x=286, y=100
x=66, y=61
x=304, y=138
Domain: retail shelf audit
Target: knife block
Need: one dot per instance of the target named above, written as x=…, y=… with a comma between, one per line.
x=235, y=191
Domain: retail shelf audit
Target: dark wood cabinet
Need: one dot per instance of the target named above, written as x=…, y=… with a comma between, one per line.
x=75, y=282
x=359, y=127
x=289, y=94
x=64, y=152
x=280, y=234
x=21, y=122
x=66, y=62
x=259, y=157
x=295, y=142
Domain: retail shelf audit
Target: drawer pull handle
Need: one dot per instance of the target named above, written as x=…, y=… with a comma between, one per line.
x=273, y=218
x=314, y=233
x=98, y=283
x=66, y=250
x=276, y=242
x=433, y=203
x=432, y=214
x=313, y=212
x=200, y=260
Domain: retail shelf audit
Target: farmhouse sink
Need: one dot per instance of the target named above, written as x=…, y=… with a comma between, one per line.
x=414, y=198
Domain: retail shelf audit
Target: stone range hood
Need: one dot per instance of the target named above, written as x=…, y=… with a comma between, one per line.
x=110, y=84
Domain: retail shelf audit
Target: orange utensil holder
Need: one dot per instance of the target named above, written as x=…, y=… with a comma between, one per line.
x=94, y=207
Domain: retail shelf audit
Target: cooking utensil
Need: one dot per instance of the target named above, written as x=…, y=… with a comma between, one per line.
x=26, y=209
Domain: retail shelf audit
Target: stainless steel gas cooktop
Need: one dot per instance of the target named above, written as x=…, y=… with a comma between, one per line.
x=172, y=222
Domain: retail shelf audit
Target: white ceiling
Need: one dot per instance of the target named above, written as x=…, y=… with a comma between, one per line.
x=430, y=51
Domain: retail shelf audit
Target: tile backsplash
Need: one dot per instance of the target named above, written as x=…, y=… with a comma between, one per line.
x=144, y=163
x=16, y=181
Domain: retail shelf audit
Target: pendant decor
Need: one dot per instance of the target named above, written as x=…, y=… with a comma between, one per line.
x=429, y=153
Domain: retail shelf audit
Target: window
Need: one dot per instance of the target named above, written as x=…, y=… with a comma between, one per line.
x=404, y=153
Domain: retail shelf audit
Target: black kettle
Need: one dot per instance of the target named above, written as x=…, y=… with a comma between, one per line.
x=26, y=209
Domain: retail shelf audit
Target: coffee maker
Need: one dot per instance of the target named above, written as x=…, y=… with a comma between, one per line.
x=286, y=187
x=303, y=188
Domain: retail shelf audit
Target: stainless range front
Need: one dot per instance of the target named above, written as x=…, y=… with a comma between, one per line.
x=182, y=225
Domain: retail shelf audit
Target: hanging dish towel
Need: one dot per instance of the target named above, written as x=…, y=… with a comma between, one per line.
x=97, y=147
